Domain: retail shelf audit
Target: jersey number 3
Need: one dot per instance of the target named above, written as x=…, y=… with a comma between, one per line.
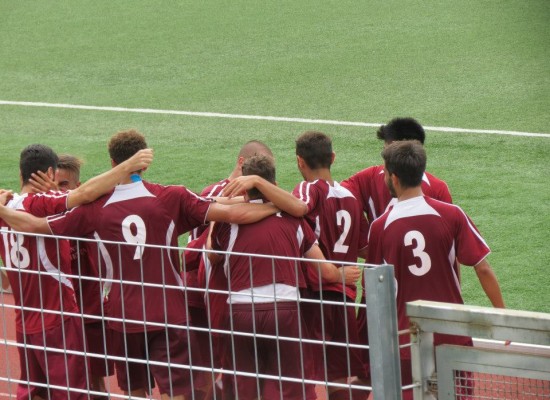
x=412, y=238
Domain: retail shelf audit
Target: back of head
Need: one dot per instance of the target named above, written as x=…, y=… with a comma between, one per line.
x=407, y=160
x=34, y=158
x=125, y=144
x=71, y=164
x=315, y=148
x=255, y=148
x=401, y=129
x=262, y=166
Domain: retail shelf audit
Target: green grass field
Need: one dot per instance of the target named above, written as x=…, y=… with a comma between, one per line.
x=466, y=64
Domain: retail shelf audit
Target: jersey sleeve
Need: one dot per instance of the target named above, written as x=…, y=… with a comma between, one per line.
x=308, y=239
x=79, y=222
x=192, y=210
x=471, y=248
x=220, y=236
x=308, y=193
x=374, y=249
x=45, y=204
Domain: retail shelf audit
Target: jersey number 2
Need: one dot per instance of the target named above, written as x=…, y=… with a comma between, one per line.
x=342, y=218
x=411, y=238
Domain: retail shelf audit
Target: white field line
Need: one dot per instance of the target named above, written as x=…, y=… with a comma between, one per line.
x=259, y=117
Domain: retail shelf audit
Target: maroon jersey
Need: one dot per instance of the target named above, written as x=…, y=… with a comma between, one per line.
x=424, y=238
x=138, y=214
x=336, y=218
x=370, y=189
x=88, y=289
x=195, y=263
x=51, y=288
x=276, y=235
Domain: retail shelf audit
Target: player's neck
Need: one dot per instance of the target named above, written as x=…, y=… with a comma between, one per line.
x=409, y=193
x=26, y=189
x=322, y=173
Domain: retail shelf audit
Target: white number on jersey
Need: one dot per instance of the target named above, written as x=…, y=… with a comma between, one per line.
x=16, y=254
x=139, y=237
x=418, y=251
x=342, y=218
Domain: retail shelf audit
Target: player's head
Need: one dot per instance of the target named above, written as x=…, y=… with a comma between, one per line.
x=67, y=175
x=251, y=149
x=405, y=160
x=34, y=158
x=401, y=129
x=262, y=166
x=314, y=149
x=125, y=144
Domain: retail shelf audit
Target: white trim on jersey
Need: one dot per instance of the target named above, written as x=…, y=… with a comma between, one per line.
x=108, y=265
x=265, y=294
x=338, y=191
x=232, y=239
x=50, y=268
x=425, y=179
x=169, y=234
x=372, y=208
x=128, y=191
x=410, y=208
x=452, y=262
x=215, y=188
x=300, y=235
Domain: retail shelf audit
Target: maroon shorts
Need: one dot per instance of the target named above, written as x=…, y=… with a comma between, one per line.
x=53, y=368
x=270, y=356
x=167, y=346
x=340, y=326
x=98, y=341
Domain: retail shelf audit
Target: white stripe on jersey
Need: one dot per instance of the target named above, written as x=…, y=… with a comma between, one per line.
x=56, y=194
x=452, y=261
x=372, y=209
x=300, y=235
x=169, y=234
x=410, y=208
x=230, y=245
x=215, y=188
x=127, y=192
x=16, y=203
x=304, y=191
x=108, y=265
x=425, y=179
x=50, y=268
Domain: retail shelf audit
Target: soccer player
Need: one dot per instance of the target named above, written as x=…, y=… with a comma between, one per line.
x=423, y=238
x=199, y=273
x=146, y=292
x=265, y=293
x=37, y=269
x=88, y=291
x=335, y=216
x=369, y=186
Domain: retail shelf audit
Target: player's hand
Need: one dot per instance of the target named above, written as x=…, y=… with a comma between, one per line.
x=140, y=161
x=350, y=274
x=5, y=196
x=239, y=186
x=40, y=182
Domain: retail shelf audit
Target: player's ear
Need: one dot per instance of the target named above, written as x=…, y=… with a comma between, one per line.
x=113, y=163
x=333, y=158
x=240, y=161
x=51, y=173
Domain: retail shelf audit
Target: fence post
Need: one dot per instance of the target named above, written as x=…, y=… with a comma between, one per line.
x=383, y=340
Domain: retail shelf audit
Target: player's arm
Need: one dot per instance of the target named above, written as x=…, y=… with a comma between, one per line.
x=489, y=283
x=101, y=184
x=24, y=222
x=229, y=200
x=284, y=200
x=245, y=213
x=345, y=274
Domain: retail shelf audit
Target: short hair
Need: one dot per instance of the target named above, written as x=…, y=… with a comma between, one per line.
x=407, y=160
x=255, y=148
x=315, y=148
x=262, y=166
x=71, y=164
x=125, y=144
x=34, y=158
x=401, y=129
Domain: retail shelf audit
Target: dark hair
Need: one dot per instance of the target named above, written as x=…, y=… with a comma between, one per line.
x=34, y=158
x=262, y=166
x=315, y=148
x=407, y=160
x=254, y=148
x=70, y=163
x=125, y=144
x=401, y=129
